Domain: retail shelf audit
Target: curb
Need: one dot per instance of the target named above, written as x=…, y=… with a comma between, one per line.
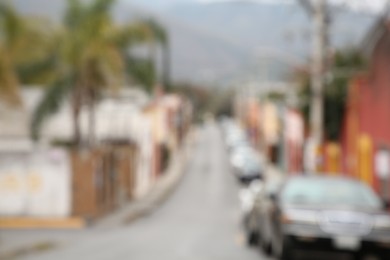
x=42, y=223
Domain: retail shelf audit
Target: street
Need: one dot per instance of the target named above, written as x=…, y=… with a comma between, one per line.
x=201, y=220
x=195, y=129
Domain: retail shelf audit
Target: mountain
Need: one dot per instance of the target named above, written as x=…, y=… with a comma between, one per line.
x=276, y=35
x=285, y=27
x=229, y=40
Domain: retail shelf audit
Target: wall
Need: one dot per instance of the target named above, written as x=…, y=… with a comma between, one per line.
x=35, y=184
x=367, y=121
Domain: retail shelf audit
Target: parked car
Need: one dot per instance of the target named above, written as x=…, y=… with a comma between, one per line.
x=247, y=198
x=328, y=213
x=236, y=139
x=241, y=154
x=251, y=170
x=256, y=224
x=233, y=134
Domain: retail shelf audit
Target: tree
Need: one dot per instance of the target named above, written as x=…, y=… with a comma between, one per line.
x=21, y=41
x=160, y=36
x=346, y=63
x=144, y=71
x=91, y=59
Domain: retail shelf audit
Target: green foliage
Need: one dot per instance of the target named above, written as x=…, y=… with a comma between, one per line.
x=142, y=72
x=24, y=47
x=276, y=96
x=38, y=72
x=51, y=102
x=205, y=100
x=346, y=64
x=90, y=53
x=12, y=36
x=160, y=36
x=221, y=102
x=94, y=49
x=200, y=98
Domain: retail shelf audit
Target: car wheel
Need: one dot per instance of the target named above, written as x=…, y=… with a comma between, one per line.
x=266, y=247
x=382, y=255
x=251, y=238
x=283, y=250
x=356, y=256
x=263, y=242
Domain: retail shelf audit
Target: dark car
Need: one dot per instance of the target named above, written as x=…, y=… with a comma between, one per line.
x=328, y=213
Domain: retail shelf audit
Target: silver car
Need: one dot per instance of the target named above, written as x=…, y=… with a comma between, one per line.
x=328, y=213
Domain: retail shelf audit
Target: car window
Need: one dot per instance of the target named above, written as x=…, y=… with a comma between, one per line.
x=329, y=193
x=252, y=165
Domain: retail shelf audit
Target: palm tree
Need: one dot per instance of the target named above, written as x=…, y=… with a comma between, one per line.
x=160, y=37
x=20, y=42
x=92, y=58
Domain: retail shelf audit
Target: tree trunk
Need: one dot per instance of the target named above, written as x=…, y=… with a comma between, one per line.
x=154, y=60
x=167, y=66
x=76, y=105
x=91, y=119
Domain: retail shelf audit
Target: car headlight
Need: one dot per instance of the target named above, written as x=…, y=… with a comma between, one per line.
x=300, y=217
x=382, y=222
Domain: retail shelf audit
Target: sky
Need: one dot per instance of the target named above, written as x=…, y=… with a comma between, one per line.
x=374, y=5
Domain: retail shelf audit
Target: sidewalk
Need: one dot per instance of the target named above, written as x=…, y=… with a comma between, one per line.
x=17, y=243
x=161, y=191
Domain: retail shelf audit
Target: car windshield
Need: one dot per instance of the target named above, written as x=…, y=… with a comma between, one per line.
x=329, y=192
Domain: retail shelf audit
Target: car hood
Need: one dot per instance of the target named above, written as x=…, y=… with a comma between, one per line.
x=341, y=208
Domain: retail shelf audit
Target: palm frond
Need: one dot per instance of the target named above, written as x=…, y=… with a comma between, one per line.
x=74, y=14
x=10, y=24
x=157, y=31
x=33, y=71
x=9, y=84
x=141, y=71
x=51, y=102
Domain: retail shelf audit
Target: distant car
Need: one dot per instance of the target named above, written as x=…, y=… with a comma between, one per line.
x=248, y=195
x=233, y=134
x=240, y=155
x=328, y=213
x=250, y=171
x=234, y=140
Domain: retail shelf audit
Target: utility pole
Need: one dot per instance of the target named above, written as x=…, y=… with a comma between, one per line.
x=317, y=10
x=320, y=29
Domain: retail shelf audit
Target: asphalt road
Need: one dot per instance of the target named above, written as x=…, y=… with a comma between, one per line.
x=200, y=221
